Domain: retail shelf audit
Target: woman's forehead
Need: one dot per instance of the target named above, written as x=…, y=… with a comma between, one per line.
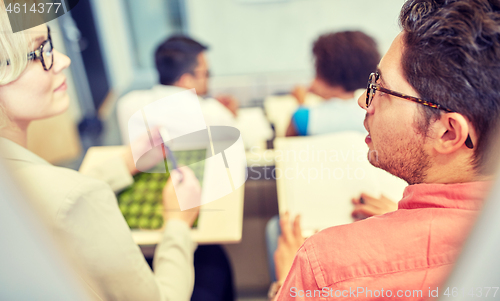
x=38, y=34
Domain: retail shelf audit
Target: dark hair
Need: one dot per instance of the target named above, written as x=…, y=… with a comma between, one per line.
x=345, y=59
x=177, y=56
x=452, y=57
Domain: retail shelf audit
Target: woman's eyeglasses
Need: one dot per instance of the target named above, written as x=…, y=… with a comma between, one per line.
x=45, y=53
x=373, y=87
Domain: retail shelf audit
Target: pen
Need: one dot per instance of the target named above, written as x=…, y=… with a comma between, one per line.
x=169, y=154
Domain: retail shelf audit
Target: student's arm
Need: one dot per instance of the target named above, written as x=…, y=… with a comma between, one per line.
x=100, y=239
x=290, y=131
x=171, y=257
x=299, y=123
x=231, y=103
x=289, y=243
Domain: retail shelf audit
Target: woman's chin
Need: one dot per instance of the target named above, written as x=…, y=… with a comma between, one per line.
x=59, y=106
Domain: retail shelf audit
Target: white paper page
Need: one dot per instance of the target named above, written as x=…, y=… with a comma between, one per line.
x=318, y=176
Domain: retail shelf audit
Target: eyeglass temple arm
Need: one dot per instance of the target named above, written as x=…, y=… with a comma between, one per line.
x=31, y=56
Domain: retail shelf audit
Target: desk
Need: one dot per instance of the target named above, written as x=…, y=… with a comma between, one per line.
x=220, y=221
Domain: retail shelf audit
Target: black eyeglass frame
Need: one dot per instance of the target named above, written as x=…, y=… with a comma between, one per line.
x=373, y=86
x=195, y=73
x=38, y=53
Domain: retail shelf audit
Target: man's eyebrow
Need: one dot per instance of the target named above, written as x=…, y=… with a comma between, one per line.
x=379, y=72
x=381, y=77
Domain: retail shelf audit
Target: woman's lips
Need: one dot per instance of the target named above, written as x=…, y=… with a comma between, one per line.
x=62, y=87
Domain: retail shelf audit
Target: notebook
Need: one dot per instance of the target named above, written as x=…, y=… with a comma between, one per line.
x=318, y=176
x=142, y=203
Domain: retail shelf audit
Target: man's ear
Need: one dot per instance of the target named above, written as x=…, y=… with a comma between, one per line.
x=452, y=130
x=185, y=81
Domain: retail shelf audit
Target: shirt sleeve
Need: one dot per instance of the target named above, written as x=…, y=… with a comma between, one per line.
x=100, y=241
x=299, y=280
x=301, y=120
x=174, y=258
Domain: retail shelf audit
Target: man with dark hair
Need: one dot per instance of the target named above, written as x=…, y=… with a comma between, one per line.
x=181, y=61
x=430, y=110
x=181, y=64
x=342, y=62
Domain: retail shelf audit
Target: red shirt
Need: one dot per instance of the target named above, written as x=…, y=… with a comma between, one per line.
x=404, y=254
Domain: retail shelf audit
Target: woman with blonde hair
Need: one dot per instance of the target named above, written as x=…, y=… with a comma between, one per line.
x=83, y=210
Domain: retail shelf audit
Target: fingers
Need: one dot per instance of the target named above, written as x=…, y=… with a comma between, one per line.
x=280, y=243
x=176, y=177
x=186, y=187
x=363, y=199
x=383, y=204
x=366, y=199
x=182, y=174
x=297, y=230
x=387, y=204
x=286, y=230
x=291, y=233
x=367, y=206
x=364, y=211
x=364, y=207
x=358, y=216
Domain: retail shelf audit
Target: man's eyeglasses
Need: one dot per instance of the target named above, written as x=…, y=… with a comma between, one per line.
x=205, y=73
x=372, y=87
x=44, y=53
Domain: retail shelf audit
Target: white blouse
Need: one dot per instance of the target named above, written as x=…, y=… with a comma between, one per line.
x=84, y=214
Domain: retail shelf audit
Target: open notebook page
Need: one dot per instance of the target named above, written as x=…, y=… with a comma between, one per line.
x=318, y=176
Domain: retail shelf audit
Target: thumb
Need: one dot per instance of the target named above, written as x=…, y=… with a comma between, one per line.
x=176, y=176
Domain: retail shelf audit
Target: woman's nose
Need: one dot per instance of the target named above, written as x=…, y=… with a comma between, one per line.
x=61, y=61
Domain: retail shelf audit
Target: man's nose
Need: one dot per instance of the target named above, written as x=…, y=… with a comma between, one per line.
x=362, y=100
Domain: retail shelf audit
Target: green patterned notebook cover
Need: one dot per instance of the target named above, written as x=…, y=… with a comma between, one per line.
x=141, y=204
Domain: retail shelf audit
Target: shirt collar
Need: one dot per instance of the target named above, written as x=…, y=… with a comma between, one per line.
x=468, y=196
x=167, y=90
x=12, y=151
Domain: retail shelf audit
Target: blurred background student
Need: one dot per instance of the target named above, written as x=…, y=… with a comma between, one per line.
x=342, y=60
x=182, y=64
